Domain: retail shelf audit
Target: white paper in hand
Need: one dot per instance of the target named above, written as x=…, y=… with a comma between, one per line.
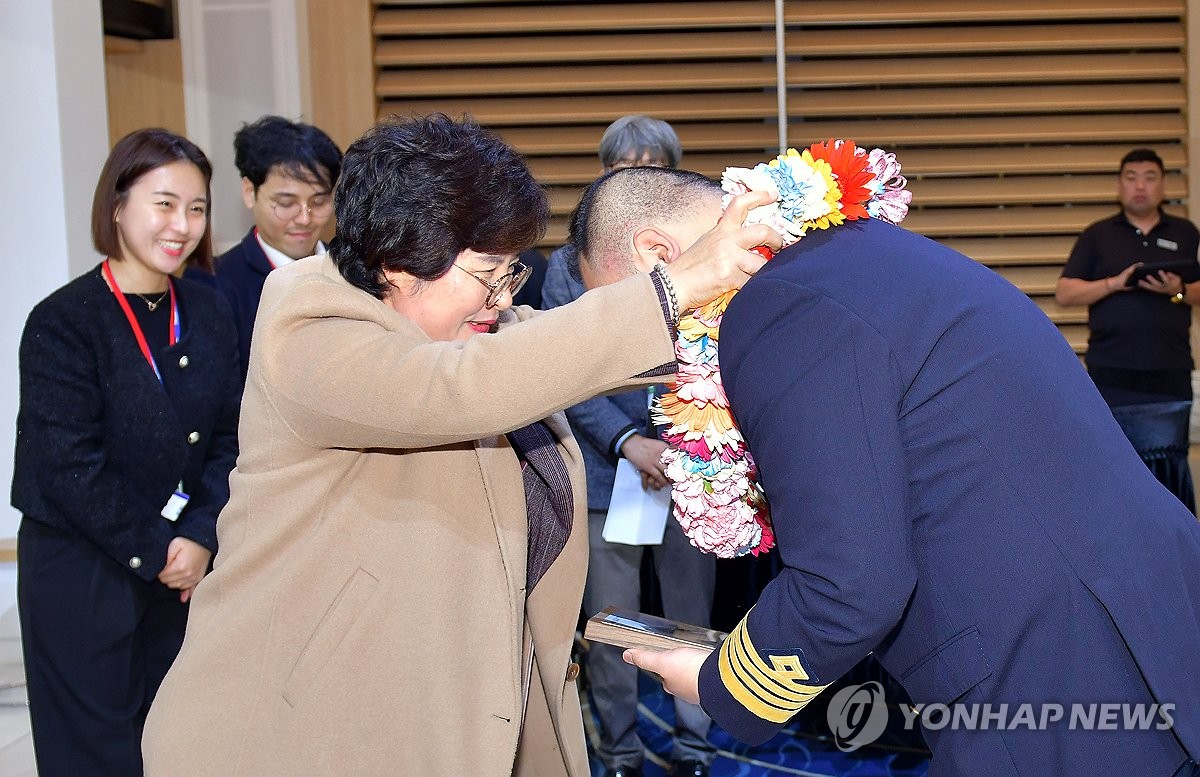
x=635, y=516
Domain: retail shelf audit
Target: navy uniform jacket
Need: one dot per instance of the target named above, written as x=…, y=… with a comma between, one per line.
x=949, y=490
x=101, y=444
x=240, y=274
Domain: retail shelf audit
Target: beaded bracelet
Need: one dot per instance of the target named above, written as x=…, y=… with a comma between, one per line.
x=661, y=270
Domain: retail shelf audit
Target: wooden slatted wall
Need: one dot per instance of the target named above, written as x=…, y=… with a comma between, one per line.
x=550, y=76
x=1010, y=117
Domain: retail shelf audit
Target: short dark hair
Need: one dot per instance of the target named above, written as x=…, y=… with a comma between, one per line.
x=415, y=193
x=133, y=156
x=1141, y=155
x=616, y=203
x=299, y=150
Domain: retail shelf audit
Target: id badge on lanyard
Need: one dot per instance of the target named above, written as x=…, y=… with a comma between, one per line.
x=174, y=506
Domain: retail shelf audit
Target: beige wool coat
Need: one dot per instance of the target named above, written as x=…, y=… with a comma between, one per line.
x=367, y=612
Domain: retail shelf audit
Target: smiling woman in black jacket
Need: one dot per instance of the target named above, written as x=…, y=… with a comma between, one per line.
x=126, y=435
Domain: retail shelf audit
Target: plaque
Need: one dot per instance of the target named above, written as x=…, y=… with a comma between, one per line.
x=629, y=629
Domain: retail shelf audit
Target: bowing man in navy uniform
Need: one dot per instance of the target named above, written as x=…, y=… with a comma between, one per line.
x=950, y=491
x=288, y=170
x=126, y=435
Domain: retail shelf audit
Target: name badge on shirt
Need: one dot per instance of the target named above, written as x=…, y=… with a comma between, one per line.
x=1170, y=245
x=175, y=505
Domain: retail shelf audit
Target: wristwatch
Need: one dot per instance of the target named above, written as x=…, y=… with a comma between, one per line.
x=1180, y=296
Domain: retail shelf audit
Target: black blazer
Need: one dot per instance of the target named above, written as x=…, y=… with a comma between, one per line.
x=101, y=445
x=240, y=274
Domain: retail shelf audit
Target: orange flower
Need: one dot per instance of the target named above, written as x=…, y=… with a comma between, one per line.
x=694, y=417
x=849, y=165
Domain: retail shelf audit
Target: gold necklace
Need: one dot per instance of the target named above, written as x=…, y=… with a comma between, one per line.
x=152, y=305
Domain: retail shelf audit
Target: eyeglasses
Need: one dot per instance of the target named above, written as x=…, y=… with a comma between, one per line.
x=512, y=281
x=318, y=208
x=625, y=164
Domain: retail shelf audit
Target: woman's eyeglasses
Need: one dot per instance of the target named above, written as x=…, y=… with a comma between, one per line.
x=512, y=281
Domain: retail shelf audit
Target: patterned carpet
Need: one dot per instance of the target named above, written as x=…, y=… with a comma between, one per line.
x=803, y=748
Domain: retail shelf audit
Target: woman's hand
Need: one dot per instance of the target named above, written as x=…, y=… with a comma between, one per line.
x=187, y=561
x=721, y=259
x=679, y=669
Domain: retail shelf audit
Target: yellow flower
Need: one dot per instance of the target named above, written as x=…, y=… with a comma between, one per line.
x=833, y=195
x=692, y=328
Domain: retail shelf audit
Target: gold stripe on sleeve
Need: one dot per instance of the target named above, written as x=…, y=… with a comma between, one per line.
x=773, y=690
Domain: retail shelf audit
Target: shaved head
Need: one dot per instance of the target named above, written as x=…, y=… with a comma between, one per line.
x=621, y=205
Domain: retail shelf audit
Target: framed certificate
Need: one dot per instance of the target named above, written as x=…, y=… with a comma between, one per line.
x=629, y=629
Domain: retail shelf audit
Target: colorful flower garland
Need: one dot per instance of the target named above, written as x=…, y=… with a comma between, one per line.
x=718, y=499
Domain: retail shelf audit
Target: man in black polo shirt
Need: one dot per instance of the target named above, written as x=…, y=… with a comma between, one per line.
x=1138, y=350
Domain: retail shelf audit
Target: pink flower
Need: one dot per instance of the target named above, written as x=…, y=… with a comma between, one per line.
x=700, y=384
x=886, y=169
x=728, y=532
x=891, y=199
x=767, y=540
x=696, y=447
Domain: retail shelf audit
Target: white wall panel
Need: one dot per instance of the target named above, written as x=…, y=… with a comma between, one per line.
x=240, y=62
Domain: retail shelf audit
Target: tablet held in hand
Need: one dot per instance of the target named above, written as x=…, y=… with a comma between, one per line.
x=1176, y=266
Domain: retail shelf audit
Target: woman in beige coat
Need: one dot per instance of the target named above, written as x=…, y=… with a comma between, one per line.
x=402, y=557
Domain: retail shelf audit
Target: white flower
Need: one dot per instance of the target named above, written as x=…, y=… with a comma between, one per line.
x=802, y=191
x=739, y=180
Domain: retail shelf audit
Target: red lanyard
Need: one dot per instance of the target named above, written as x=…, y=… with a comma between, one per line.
x=173, y=335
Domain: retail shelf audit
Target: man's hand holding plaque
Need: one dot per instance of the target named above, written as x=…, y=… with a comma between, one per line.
x=629, y=629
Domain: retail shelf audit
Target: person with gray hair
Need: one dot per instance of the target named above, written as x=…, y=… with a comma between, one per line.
x=638, y=140
x=616, y=426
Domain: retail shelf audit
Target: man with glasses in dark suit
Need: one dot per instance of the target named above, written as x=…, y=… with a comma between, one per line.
x=288, y=170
